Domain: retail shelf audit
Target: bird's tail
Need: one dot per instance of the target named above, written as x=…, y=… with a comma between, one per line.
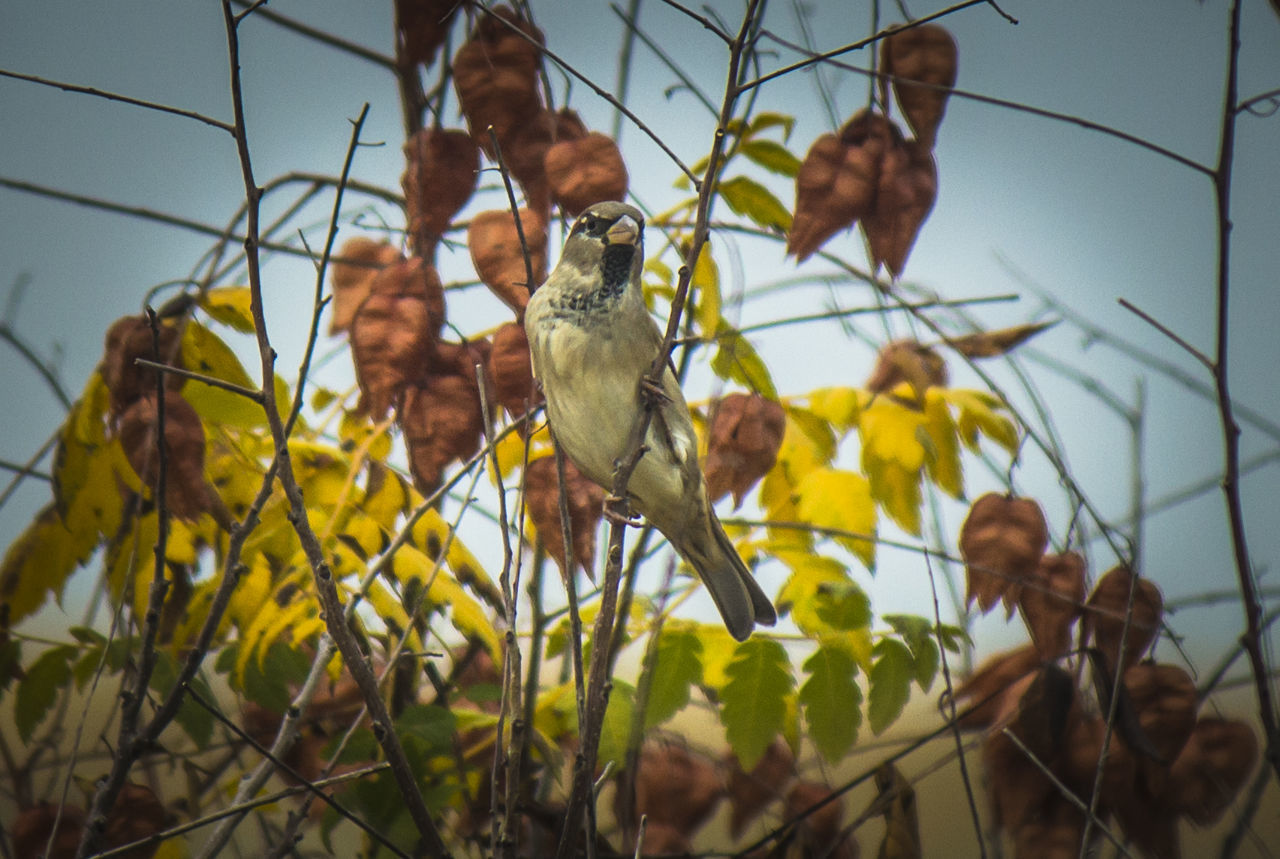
x=740, y=599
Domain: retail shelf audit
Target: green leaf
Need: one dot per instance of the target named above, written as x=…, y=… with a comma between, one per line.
x=754, y=700
x=832, y=701
x=39, y=689
x=771, y=119
x=890, y=681
x=432, y=725
x=706, y=284
x=268, y=684
x=677, y=670
x=616, y=728
x=191, y=716
x=737, y=359
x=772, y=156
x=752, y=200
x=917, y=633
x=37, y=563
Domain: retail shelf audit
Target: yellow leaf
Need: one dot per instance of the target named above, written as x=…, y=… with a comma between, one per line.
x=896, y=488
x=510, y=449
x=840, y=500
x=36, y=564
x=431, y=534
x=204, y=352
x=889, y=430
x=467, y=616
x=736, y=359
x=230, y=306
x=393, y=614
x=977, y=414
x=718, y=650
x=706, y=285
x=386, y=496
x=251, y=592
x=839, y=406
x=943, y=452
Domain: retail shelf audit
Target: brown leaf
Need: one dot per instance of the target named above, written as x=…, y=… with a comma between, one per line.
x=586, y=503
x=1079, y=763
x=662, y=839
x=30, y=830
x=1151, y=827
x=1001, y=542
x=495, y=74
x=926, y=53
x=1017, y=787
x=422, y=26
x=1104, y=616
x=1040, y=714
x=187, y=494
x=837, y=182
x=1211, y=769
x=676, y=787
x=358, y=262
x=128, y=339
x=1053, y=833
x=442, y=422
x=742, y=444
x=392, y=339
x=499, y=259
x=820, y=831
x=993, y=344
x=907, y=189
x=1166, y=701
x=137, y=814
x=907, y=361
x=988, y=688
x=1051, y=600
x=440, y=175
x=750, y=792
x=511, y=369
x=585, y=171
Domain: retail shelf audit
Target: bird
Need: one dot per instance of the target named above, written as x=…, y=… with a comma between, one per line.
x=592, y=341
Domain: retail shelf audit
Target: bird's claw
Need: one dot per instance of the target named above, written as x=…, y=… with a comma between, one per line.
x=611, y=502
x=651, y=389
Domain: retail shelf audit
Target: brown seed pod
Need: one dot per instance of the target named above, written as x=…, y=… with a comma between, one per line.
x=585, y=171
x=414, y=277
x=837, y=181
x=750, y=792
x=358, y=262
x=1165, y=699
x=1054, y=832
x=907, y=361
x=422, y=26
x=496, y=76
x=128, y=339
x=991, y=686
x=1017, y=786
x=1051, y=600
x=586, y=503
x=29, y=831
x=392, y=340
x=926, y=53
x=1151, y=826
x=820, y=831
x=1040, y=713
x=1211, y=769
x=442, y=168
x=907, y=189
x=676, y=787
x=499, y=259
x=524, y=152
x=742, y=444
x=511, y=369
x=187, y=494
x=442, y=422
x=1079, y=761
x=1001, y=542
x=1105, y=613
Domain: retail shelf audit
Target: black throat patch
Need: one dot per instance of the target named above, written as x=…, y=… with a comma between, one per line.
x=615, y=273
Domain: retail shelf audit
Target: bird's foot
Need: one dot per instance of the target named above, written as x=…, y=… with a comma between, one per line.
x=615, y=510
x=651, y=390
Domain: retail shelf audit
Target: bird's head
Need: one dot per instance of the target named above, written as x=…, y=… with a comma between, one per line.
x=606, y=247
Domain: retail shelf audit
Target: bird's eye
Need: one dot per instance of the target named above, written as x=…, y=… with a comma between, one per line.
x=590, y=225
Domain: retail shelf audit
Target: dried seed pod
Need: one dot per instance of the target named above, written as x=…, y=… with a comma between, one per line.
x=1054, y=832
x=413, y=277
x=1001, y=542
x=511, y=369
x=837, y=181
x=586, y=503
x=1105, y=613
x=392, y=340
x=821, y=831
x=496, y=76
x=1017, y=786
x=461, y=359
x=499, y=259
x=1051, y=600
x=1039, y=715
x=29, y=831
x=907, y=361
x=442, y=422
x=585, y=171
x=989, y=689
x=926, y=53
x=901, y=819
x=1079, y=762
x=442, y=168
x=676, y=787
x=137, y=814
x=187, y=494
x=750, y=792
x=1150, y=826
x=1165, y=699
x=997, y=343
x=128, y=339
x=1211, y=769
x=907, y=189
x=422, y=26
x=358, y=262
x=742, y=444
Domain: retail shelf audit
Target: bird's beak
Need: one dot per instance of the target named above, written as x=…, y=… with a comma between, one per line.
x=625, y=231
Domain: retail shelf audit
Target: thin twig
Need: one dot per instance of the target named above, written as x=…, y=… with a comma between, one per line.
x=321, y=36
x=213, y=381
x=1167, y=332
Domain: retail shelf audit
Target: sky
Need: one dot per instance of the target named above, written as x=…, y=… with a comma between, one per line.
x=1026, y=204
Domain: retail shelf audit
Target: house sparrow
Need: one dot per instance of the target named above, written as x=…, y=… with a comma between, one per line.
x=592, y=341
